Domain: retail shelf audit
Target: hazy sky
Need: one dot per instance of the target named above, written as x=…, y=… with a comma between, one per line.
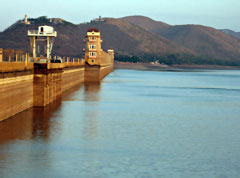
x=219, y=14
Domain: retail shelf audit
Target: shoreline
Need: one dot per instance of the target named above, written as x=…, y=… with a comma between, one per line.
x=163, y=67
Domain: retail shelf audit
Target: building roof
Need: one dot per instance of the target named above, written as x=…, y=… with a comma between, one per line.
x=93, y=30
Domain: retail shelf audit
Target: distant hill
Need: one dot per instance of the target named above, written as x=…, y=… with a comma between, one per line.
x=207, y=43
x=147, y=23
x=137, y=39
x=145, y=42
x=231, y=33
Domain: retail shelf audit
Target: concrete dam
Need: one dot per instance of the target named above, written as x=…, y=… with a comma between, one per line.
x=37, y=81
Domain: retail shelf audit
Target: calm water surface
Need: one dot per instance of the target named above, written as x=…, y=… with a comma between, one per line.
x=134, y=124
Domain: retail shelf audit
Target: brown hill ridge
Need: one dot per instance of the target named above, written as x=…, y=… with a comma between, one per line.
x=206, y=42
x=231, y=33
x=139, y=38
x=146, y=23
x=147, y=43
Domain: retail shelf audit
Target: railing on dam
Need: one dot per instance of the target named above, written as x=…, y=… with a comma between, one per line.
x=16, y=60
x=11, y=55
x=71, y=61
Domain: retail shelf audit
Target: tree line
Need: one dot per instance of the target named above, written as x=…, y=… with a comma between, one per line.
x=172, y=59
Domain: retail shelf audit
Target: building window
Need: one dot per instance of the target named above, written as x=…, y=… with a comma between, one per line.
x=92, y=38
x=92, y=47
x=92, y=54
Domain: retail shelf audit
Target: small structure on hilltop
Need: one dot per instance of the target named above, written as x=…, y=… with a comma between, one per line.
x=25, y=21
x=99, y=19
x=56, y=20
x=45, y=34
x=94, y=54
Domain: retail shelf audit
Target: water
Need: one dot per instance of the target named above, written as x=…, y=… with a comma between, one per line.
x=134, y=124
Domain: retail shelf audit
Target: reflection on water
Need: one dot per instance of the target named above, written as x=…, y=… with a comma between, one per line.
x=41, y=119
x=18, y=127
x=35, y=123
x=29, y=124
x=133, y=124
x=91, y=118
x=92, y=91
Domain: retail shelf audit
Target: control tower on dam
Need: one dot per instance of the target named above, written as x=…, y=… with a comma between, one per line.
x=98, y=62
x=38, y=78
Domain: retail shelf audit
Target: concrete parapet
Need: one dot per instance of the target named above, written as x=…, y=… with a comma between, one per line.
x=74, y=64
x=15, y=66
x=55, y=65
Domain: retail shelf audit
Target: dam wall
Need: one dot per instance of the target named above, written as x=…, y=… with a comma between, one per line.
x=105, y=70
x=94, y=74
x=16, y=92
x=24, y=85
x=72, y=77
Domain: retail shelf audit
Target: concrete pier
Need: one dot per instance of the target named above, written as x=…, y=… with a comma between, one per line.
x=47, y=84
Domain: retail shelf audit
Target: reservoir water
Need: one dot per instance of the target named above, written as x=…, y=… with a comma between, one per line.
x=133, y=124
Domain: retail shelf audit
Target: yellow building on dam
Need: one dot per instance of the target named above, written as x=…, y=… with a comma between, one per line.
x=94, y=54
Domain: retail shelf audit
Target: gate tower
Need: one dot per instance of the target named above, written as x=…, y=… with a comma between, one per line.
x=43, y=34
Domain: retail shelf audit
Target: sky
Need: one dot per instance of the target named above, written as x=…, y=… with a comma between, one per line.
x=220, y=14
